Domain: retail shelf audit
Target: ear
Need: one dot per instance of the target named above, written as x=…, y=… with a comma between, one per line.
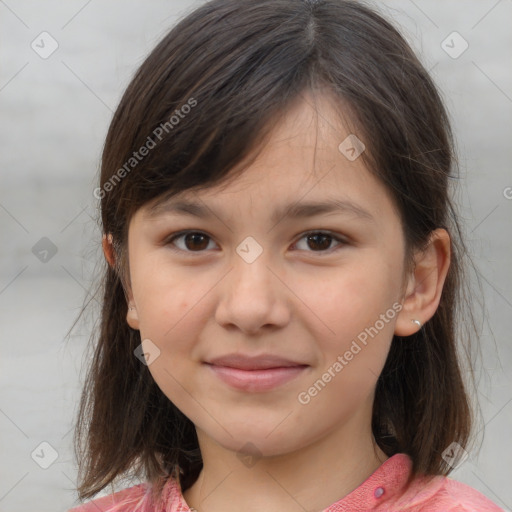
x=132, y=317
x=425, y=283
x=108, y=250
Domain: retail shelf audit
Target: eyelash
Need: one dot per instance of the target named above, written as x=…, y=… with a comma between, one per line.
x=342, y=242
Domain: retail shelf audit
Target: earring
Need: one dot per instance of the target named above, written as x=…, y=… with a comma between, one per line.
x=417, y=322
x=131, y=308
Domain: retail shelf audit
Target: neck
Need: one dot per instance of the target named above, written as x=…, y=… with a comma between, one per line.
x=337, y=464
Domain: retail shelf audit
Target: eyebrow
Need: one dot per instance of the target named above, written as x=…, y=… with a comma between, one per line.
x=298, y=210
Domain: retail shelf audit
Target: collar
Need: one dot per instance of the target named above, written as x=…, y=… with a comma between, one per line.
x=387, y=482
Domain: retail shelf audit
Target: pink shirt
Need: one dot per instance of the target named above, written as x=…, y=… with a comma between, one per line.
x=382, y=491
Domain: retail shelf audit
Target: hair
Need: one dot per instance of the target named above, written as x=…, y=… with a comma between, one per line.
x=216, y=84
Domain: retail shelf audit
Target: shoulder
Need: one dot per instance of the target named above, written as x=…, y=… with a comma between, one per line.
x=137, y=499
x=446, y=494
x=463, y=498
x=121, y=501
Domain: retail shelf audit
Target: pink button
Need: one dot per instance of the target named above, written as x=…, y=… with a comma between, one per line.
x=378, y=492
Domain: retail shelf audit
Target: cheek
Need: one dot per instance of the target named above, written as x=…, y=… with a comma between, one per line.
x=172, y=320
x=171, y=313
x=351, y=297
x=354, y=312
x=357, y=312
x=168, y=301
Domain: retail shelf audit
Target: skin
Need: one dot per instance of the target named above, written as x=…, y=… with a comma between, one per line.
x=295, y=300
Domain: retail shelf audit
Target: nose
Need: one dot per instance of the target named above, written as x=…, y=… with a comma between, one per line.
x=253, y=296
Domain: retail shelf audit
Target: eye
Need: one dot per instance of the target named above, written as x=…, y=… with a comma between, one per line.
x=193, y=241
x=321, y=241
x=197, y=241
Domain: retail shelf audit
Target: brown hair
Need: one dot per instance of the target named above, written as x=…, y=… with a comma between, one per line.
x=201, y=103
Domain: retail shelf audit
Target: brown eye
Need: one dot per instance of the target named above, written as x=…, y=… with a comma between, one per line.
x=192, y=241
x=320, y=241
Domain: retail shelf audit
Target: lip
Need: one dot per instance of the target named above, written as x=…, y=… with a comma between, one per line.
x=256, y=380
x=260, y=362
x=255, y=373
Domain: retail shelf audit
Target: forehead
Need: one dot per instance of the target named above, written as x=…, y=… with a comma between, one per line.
x=304, y=161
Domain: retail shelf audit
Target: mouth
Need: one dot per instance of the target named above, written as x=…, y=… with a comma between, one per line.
x=256, y=379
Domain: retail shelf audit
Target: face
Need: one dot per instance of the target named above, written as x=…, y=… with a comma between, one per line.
x=320, y=290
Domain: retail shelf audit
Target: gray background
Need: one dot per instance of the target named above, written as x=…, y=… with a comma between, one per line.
x=55, y=113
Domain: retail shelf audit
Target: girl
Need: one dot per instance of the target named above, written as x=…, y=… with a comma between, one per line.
x=303, y=356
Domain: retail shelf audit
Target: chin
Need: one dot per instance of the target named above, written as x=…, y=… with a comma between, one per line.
x=257, y=442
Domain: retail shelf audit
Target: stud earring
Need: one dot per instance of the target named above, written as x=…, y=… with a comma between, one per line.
x=417, y=322
x=131, y=308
